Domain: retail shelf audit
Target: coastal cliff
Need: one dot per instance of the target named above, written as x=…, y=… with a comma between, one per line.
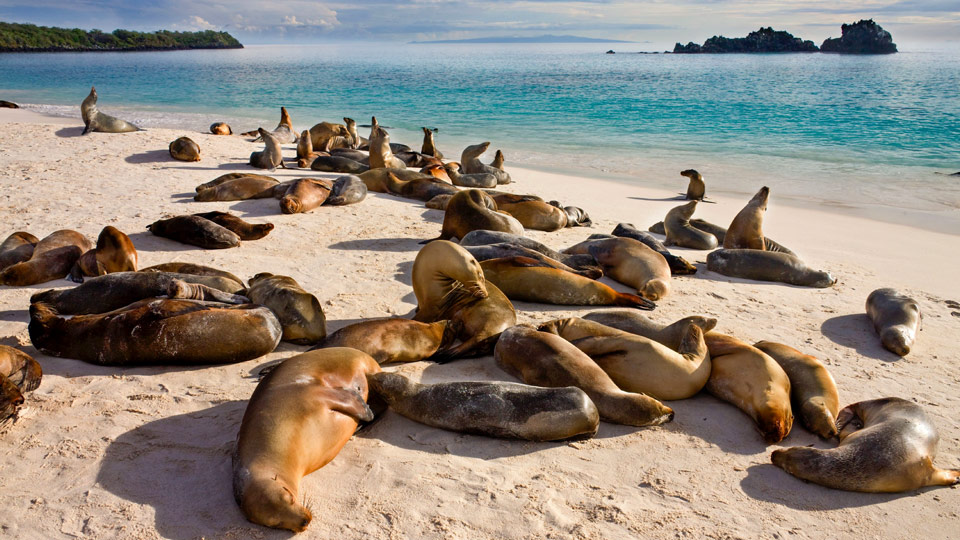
x=30, y=38
x=861, y=37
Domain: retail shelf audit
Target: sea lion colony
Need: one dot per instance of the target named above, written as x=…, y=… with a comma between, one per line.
x=610, y=365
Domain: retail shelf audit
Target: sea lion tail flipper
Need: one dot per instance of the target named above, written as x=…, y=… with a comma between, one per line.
x=348, y=402
x=634, y=301
x=944, y=477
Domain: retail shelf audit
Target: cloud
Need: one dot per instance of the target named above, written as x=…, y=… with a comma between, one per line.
x=195, y=22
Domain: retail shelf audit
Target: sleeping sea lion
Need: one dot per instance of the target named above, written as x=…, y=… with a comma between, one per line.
x=630, y=262
x=194, y=269
x=17, y=248
x=52, y=258
x=631, y=321
x=581, y=263
x=304, y=195
x=422, y=188
x=678, y=265
x=536, y=215
x=184, y=149
x=19, y=374
x=243, y=229
x=196, y=231
x=376, y=179
x=348, y=189
x=94, y=120
x=503, y=249
x=476, y=180
x=239, y=188
x=220, y=128
x=767, y=266
x=299, y=312
x=746, y=230
x=393, y=340
x=896, y=317
x=338, y=164
x=472, y=209
x=576, y=216
x=813, y=392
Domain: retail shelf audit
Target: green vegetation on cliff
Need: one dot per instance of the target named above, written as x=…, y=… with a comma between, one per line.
x=27, y=37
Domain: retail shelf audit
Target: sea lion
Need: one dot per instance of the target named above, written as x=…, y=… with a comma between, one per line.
x=536, y=215
x=470, y=161
x=416, y=159
x=581, y=263
x=271, y=156
x=428, y=147
x=194, y=269
x=381, y=154
x=886, y=446
x=305, y=153
x=576, y=216
x=243, y=229
x=17, y=248
x=229, y=177
x=393, y=340
x=351, y=153
x=158, y=331
x=696, y=189
x=752, y=381
x=421, y=189
x=238, y=189
x=297, y=420
x=304, y=195
x=497, y=160
x=221, y=128
x=348, y=189
x=495, y=409
x=284, y=131
x=680, y=233
x=8, y=104
x=503, y=249
x=184, y=149
x=19, y=374
x=746, y=230
x=813, y=391
x=545, y=359
x=767, y=266
x=721, y=234
x=639, y=364
x=472, y=209
x=94, y=120
x=114, y=291
x=376, y=179
x=185, y=290
x=437, y=170
x=337, y=164
x=671, y=335
x=439, y=202
x=678, y=265
x=528, y=280
x=476, y=180
x=52, y=258
x=896, y=317
x=354, y=139
x=114, y=252
x=630, y=262
x=299, y=312
x=326, y=136
x=196, y=231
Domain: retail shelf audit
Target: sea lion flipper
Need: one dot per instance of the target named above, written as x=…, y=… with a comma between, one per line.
x=348, y=402
x=10, y=399
x=944, y=477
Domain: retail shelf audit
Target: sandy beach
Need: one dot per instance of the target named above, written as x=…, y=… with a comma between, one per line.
x=101, y=452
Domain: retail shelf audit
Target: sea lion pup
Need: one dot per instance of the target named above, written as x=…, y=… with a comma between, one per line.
x=271, y=156
x=680, y=233
x=476, y=180
x=114, y=291
x=381, y=155
x=238, y=189
x=630, y=262
x=326, y=136
x=243, y=229
x=813, y=391
x=470, y=161
x=497, y=162
x=229, y=177
x=221, y=128
x=767, y=266
x=638, y=364
x=545, y=359
x=696, y=189
x=495, y=409
x=376, y=179
x=184, y=290
x=299, y=312
x=746, y=230
x=305, y=153
x=297, y=420
x=472, y=209
x=304, y=195
x=721, y=234
x=752, y=381
x=184, y=149
x=576, y=216
x=630, y=321
x=196, y=270
x=529, y=280
x=581, y=263
x=503, y=249
x=337, y=164
x=94, y=120
x=17, y=248
x=19, y=373
x=158, y=331
x=348, y=189
x=196, y=231
x=421, y=189
x=393, y=340
x=678, y=265
x=896, y=317
x=52, y=258
x=886, y=446
x=114, y=253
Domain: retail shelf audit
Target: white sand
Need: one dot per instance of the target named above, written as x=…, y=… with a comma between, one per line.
x=144, y=453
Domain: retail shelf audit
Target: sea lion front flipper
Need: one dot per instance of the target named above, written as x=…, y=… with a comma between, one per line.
x=348, y=402
x=10, y=400
x=941, y=477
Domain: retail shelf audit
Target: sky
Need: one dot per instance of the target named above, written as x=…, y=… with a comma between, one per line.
x=655, y=23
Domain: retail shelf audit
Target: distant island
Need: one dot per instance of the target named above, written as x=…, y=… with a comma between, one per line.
x=547, y=38
x=862, y=37
x=30, y=38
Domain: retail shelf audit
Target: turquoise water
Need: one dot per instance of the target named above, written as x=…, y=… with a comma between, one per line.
x=865, y=122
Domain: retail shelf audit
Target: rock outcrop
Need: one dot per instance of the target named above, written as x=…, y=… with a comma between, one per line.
x=862, y=37
x=764, y=40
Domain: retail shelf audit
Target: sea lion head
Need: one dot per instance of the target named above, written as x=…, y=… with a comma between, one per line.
x=273, y=504
x=350, y=122
x=285, y=118
x=459, y=265
x=760, y=199
x=691, y=174
x=655, y=289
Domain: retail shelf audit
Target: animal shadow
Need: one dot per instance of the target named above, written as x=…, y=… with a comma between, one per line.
x=150, y=156
x=855, y=331
x=768, y=483
x=379, y=244
x=68, y=132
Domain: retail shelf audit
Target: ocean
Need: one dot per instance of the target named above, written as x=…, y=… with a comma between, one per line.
x=870, y=130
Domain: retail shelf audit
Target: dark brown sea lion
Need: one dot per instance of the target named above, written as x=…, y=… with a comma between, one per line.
x=581, y=263
x=394, y=340
x=52, y=258
x=503, y=249
x=680, y=233
x=184, y=149
x=813, y=392
x=429, y=148
x=337, y=164
x=896, y=317
x=271, y=156
x=421, y=189
x=470, y=161
x=243, y=229
x=223, y=178
x=545, y=359
x=114, y=253
x=299, y=312
x=472, y=209
x=8, y=105
x=237, y=189
x=193, y=269
x=348, y=189
x=696, y=189
x=746, y=230
x=158, y=332
x=476, y=180
x=678, y=265
x=495, y=409
x=196, y=231
x=630, y=262
x=767, y=266
x=220, y=128
x=19, y=374
x=299, y=417
x=497, y=162
x=185, y=290
x=304, y=195
x=17, y=248
x=94, y=120
x=886, y=446
x=417, y=160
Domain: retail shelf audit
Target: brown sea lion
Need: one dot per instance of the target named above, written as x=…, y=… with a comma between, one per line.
x=17, y=248
x=19, y=374
x=52, y=258
x=185, y=290
x=271, y=156
x=184, y=149
x=421, y=189
x=304, y=195
x=158, y=331
x=721, y=233
x=696, y=189
x=746, y=230
x=497, y=162
x=752, y=381
x=503, y=249
x=536, y=215
x=381, y=155
x=376, y=179
x=393, y=340
x=886, y=446
x=305, y=153
x=238, y=189
x=223, y=178
x=495, y=409
x=196, y=231
x=417, y=160
x=8, y=105
x=630, y=262
x=326, y=136
x=813, y=392
x=470, y=161
x=347, y=189
x=576, y=216
x=337, y=164
x=437, y=171
x=476, y=180
x=896, y=317
x=767, y=266
x=299, y=312
x=284, y=130
x=639, y=364
x=678, y=265
x=680, y=233
x=114, y=253
x=193, y=269
x=243, y=229
x=297, y=420
x=94, y=120
x=439, y=202
x=545, y=359
x=630, y=321
x=351, y=153
x=220, y=128
x=429, y=148
x=472, y=209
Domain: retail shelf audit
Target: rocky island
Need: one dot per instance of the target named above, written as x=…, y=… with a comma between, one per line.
x=31, y=38
x=862, y=37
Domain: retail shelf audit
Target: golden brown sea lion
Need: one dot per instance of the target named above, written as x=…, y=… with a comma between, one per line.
x=195, y=231
x=220, y=128
x=299, y=312
x=630, y=262
x=681, y=233
x=243, y=229
x=52, y=258
x=394, y=339
x=381, y=156
x=437, y=171
x=237, y=189
x=497, y=162
x=305, y=153
x=545, y=359
x=472, y=209
x=631, y=321
x=94, y=120
x=376, y=179
x=896, y=317
x=813, y=392
x=17, y=248
x=326, y=136
x=271, y=156
x=678, y=265
x=583, y=263
x=767, y=266
x=504, y=249
x=746, y=230
x=536, y=215
x=19, y=374
x=752, y=381
x=886, y=446
x=429, y=148
x=298, y=419
x=114, y=253
x=421, y=189
x=223, y=178
x=304, y=195
x=184, y=149
x=696, y=189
